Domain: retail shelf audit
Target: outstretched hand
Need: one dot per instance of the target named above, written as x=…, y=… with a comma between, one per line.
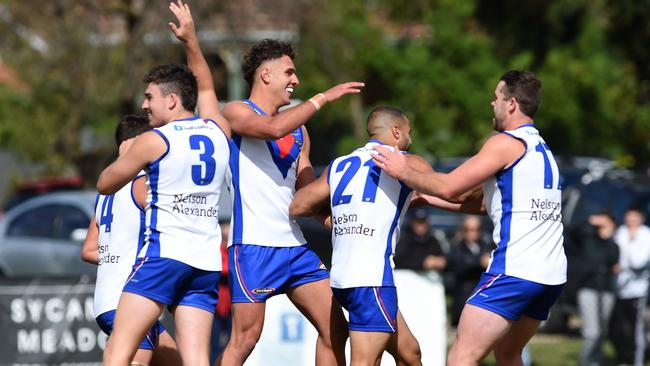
x=185, y=30
x=353, y=87
x=392, y=162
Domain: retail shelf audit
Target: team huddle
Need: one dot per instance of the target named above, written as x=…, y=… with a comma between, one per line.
x=157, y=239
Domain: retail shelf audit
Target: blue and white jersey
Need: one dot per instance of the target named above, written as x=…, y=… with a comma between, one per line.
x=262, y=182
x=524, y=202
x=121, y=235
x=183, y=194
x=367, y=209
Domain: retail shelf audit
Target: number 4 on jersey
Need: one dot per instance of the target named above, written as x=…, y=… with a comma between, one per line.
x=107, y=213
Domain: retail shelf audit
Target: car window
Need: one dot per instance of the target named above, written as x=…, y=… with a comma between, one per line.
x=54, y=221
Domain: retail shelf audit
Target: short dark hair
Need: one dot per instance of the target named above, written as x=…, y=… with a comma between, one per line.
x=268, y=49
x=177, y=79
x=378, y=118
x=391, y=111
x=635, y=208
x=131, y=126
x=526, y=88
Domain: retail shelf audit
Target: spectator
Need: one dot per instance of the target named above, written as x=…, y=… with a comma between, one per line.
x=418, y=249
x=627, y=331
x=466, y=261
x=596, y=264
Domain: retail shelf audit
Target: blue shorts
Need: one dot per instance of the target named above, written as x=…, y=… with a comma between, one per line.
x=258, y=272
x=172, y=282
x=150, y=341
x=371, y=309
x=512, y=297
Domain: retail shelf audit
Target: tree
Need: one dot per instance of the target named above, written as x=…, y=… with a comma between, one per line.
x=83, y=62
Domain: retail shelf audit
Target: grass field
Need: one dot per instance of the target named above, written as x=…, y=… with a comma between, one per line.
x=557, y=350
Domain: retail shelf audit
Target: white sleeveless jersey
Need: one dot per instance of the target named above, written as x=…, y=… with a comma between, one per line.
x=367, y=209
x=524, y=202
x=121, y=234
x=262, y=182
x=183, y=194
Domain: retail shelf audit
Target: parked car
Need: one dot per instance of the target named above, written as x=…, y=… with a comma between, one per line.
x=31, y=189
x=43, y=236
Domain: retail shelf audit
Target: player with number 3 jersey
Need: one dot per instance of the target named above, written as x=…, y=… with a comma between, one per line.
x=115, y=236
x=185, y=159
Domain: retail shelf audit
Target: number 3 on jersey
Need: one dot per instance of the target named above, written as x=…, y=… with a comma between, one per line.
x=201, y=176
x=350, y=166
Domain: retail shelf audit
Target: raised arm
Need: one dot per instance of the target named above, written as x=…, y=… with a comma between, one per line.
x=245, y=122
x=186, y=33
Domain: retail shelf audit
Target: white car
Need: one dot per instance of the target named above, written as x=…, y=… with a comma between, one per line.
x=42, y=236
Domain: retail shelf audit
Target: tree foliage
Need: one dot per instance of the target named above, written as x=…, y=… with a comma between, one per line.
x=438, y=60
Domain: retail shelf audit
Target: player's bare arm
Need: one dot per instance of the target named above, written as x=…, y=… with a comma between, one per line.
x=418, y=163
x=312, y=198
x=185, y=31
x=470, y=203
x=304, y=170
x=90, y=247
x=139, y=191
x=245, y=122
x=498, y=152
x=145, y=148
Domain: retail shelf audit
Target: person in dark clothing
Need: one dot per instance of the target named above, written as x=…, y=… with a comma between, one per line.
x=467, y=261
x=595, y=263
x=418, y=249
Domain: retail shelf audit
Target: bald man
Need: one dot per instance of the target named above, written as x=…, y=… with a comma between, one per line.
x=367, y=208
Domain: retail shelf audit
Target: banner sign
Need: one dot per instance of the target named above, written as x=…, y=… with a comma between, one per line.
x=49, y=323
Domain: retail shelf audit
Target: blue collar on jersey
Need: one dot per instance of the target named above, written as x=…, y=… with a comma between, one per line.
x=255, y=107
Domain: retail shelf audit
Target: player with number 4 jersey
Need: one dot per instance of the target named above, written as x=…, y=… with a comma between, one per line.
x=115, y=236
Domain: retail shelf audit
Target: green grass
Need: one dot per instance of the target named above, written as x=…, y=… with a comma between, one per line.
x=557, y=350
x=550, y=350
